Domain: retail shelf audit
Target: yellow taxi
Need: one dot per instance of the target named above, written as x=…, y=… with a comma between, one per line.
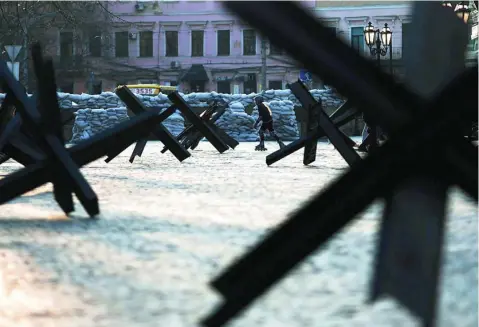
x=151, y=89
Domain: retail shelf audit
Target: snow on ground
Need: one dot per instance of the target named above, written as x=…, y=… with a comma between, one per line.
x=166, y=229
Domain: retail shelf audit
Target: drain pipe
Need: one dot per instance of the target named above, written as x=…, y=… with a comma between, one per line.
x=158, y=75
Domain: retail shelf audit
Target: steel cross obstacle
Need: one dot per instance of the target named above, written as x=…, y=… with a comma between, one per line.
x=340, y=117
x=55, y=163
x=318, y=120
x=190, y=136
x=15, y=141
x=159, y=132
x=207, y=130
x=426, y=130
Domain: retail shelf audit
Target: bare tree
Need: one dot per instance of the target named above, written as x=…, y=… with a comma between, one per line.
x=26, y=22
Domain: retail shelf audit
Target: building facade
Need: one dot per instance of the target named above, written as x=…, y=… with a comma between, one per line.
x=199, y=46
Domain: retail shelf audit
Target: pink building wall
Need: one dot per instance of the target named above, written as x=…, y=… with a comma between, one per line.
x=210, y=16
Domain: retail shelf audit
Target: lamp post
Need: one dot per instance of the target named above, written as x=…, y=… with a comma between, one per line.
x=463, y=12
x=461, y=8
x=378, y=42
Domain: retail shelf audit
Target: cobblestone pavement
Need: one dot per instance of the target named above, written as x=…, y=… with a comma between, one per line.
x=166, y=229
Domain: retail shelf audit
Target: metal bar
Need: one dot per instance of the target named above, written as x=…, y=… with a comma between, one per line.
x=299, y=144
x=411, y=236
x=52, y=124
x=205, y=115
x=51, y=145
x=413, y=138
x=312, y=125
x=33, y=176
x=278, y=253
x=342, y=110
x=332, y=132
x=204, y=129
x=228, y=140
x=183, y=134
x=160, y=132
x=138, y=150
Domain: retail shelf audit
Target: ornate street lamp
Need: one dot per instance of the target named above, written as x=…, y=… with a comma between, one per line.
x=461, y=8
x=378, y=41
x=386, y=36
x=462, y=11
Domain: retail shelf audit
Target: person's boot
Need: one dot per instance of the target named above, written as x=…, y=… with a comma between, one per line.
x=260, y=146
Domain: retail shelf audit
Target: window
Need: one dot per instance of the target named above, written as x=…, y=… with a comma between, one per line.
x=332, y=29
x=223, y=87
x=94, y=44
x=121, y=44
x=406, y=33
x=146, y=44
x=275, y=85
x=357, y=39
x=223, y=43
x=274, y=50
x=197, y=38
x=171, y=38
x=249, y=42
x=66, y=45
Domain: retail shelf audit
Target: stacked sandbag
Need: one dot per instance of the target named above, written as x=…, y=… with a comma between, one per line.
x=95, y=116
x=89, y=122
x=237, y=123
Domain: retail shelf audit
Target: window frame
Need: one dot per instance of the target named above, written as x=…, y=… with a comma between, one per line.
x=193, y=47
x=354, y=37
x=218, y=47
x=127, y=45
x=253, y=46
x=275, y=81
x=148, y=48
x=176, y=40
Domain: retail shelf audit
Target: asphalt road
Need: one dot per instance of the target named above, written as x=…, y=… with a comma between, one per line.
x=166, y=229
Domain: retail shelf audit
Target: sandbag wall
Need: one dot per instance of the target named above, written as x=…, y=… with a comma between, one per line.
x=95, y=113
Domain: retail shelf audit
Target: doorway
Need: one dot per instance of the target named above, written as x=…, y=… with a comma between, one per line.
x=97, y=87
x=197, y=86
x=250, y=84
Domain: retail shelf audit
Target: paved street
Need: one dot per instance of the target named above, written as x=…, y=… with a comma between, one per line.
x=166, y=229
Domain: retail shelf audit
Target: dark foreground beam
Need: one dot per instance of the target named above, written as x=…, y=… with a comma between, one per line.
x=373, y=177
x=35, y=175
x=424, y=134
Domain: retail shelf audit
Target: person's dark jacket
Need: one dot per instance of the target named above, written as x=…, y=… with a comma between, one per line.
x=264, y=112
